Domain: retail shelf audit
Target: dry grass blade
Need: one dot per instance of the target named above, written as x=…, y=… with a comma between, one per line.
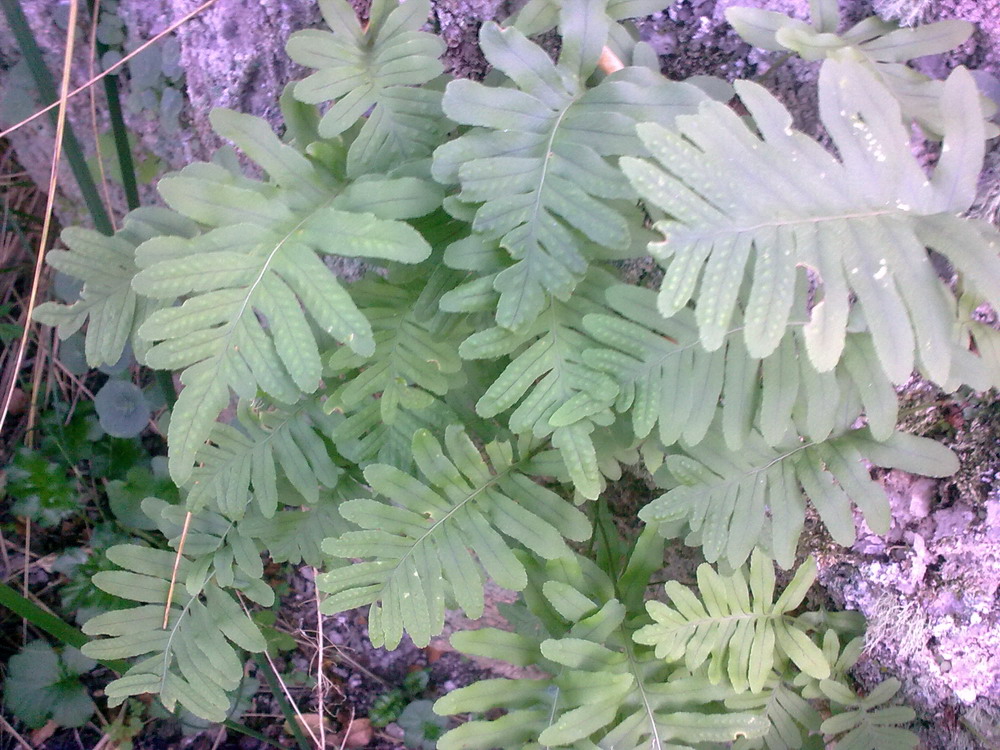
x=347, y=731
x=47, y=221
x=8, y=729
x=21, y=205
x=173, y=573
x=112, y=68
x=289, y=707
x=320, y=675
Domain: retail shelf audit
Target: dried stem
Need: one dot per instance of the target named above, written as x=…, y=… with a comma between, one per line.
x=49, y=206
x=173, y=573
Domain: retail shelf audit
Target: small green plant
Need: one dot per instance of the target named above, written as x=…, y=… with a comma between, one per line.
x=42, y=684
x=388, y=706
x=41, y=488
x=422, y=728
x=156, y=78
x=459, y=414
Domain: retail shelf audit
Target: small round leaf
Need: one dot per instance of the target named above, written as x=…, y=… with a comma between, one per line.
x=121, y=408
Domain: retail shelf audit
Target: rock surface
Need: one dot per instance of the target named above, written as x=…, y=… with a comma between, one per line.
x=930, y=588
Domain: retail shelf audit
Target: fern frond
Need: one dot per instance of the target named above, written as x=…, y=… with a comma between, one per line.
x=555, y=393
x=539, y=16
x=364, y=437
x=261, y=259
x=866, y=723
x=401, y=388
x=883, y=48
x=218, y=548
x=374, y=69
x=667, y=379
x=861, y=223
x=734, y=501
x=537, y=159
x=295, y=535
x=106, y=265
x=418, y=547
x=414, y=358
x=605, y=691
x=195, y=661
x=794, y=722
x=238, y=459
x=736, y=625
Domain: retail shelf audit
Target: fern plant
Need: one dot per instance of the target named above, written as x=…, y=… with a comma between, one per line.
x=462, y=409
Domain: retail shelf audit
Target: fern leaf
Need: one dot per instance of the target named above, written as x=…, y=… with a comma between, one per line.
x=414, y=355
x=295, y=535
x=238, y=459
x=539, y=16
x=194, y=661
x=419, y=547
x=375, y=69
x=604, y=691
x=218, y=549
x=537, y=158
x=736, y=500
x=402, y=387
x=262, y=259
x=793, y=720
x=106, y=265
x=861, y=223
x=666, y=379
x=882, y=47
x=735, y=625
x=554, y=392
x=364, y=437
x=867, y=724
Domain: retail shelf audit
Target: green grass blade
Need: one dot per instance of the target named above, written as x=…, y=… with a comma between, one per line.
x=286, y=708
x=120, y=133
x=51, y=624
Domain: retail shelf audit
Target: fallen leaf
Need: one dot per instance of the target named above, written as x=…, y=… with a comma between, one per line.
x=433, y=653
x=359, y=734
x=310, y=726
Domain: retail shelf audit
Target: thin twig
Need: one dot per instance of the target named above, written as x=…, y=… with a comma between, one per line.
x=303, y=724
x=347, y=730
x=13, y=733
x=320, y=675
x=220, y=735
x=173, y=573
x=49, y=206
x=112, y=68
x=354, y=663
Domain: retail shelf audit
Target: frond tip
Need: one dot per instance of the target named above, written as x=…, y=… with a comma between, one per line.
x=419, y=546
x=736, y=625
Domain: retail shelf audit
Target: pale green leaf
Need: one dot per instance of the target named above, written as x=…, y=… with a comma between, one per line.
x=419, y=546
x=836, y=208
x=106, y=266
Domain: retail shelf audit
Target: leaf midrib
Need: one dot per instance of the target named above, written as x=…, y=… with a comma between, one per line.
x=753, y=228
x=494, y=479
